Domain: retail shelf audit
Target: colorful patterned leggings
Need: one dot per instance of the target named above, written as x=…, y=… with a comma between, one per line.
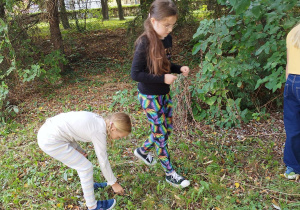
x=158, y=109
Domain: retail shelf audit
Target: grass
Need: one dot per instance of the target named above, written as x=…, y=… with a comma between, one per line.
x=226, y=171
x=235, y=175
x=92, y=24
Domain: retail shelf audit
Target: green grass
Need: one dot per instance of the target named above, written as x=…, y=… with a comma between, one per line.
x=224, y=173
x=92, y=24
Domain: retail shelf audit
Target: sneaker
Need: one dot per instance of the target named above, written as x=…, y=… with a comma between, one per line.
x=290, y=174
x=148, y=158
x=106, y=204
x=99, y=185
x=177, y=180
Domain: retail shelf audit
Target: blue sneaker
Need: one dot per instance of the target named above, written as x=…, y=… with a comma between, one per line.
x=290, y=174
x=106, y=204
x=99, y=185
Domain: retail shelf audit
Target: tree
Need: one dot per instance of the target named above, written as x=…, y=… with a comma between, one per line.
x=2, y=10
x=64, y=14
x=56, y=38
x=120, y=9
x=145, y=5
x=104, y=5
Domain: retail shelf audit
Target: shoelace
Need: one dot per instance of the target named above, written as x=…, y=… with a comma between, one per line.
x=176, y=176
x=149, y=157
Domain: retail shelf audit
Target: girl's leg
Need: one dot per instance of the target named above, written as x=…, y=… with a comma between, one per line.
x=149, y=143
x=65, y=153
x=154, y=107
x=292, y=122
x=168, y=106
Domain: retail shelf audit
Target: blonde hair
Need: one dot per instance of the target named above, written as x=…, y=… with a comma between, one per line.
x=120, y=120
x=296, y=38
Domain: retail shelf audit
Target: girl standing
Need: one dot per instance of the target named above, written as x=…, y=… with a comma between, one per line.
x=292, y=105
x=58, y=138
x=151, y=67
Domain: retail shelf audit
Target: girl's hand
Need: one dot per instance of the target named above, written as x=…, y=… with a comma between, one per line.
x=185, y=70
x=169, y=78
x=118, y=188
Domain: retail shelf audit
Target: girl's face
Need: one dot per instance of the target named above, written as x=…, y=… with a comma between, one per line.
x=116, y=134
x=165, y=26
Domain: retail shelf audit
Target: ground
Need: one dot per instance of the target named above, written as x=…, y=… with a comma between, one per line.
x=236, y=168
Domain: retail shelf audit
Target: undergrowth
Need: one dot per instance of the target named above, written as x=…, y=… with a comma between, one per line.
x=226, y=171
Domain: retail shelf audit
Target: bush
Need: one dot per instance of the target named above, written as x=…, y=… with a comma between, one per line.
x=244, y=60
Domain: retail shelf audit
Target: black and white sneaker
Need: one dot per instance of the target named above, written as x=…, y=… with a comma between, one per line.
x=148, y=158
x=177, y=180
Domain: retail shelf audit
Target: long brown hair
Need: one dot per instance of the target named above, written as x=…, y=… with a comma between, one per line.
x=157, y=61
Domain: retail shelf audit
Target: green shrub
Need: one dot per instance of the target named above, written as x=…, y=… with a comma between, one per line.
x=244, y=58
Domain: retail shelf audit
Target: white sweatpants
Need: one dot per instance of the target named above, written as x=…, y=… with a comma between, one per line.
x=60, y=149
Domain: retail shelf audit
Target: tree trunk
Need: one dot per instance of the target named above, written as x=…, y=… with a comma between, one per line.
x=145, y=5
x=143, y=9
x=120, y=9
x=2, y=11
x=104, y=5
x=56, y=38
x=64, y=14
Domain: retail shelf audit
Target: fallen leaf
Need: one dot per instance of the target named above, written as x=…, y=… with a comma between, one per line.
x=237, y=185
x=276, y=205
x=177, y=197
x=222, y=178
x=208, y=162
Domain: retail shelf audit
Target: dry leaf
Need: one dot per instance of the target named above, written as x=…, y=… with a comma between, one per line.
x=208, y=162
x=222, y=178
x=276, y=205
x=177, y=197
x=237, y=185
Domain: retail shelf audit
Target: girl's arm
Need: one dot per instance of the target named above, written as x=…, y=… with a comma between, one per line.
x=139, y=66
x=175, y=68
x=287, y=62
x=99, y=142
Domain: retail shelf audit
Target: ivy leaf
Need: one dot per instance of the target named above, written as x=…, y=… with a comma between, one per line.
x=203, y=46
x=239, y=84
x=211, y=100
x=256, y=11
x=222, y=1
x=196, y=48
x=241, y=6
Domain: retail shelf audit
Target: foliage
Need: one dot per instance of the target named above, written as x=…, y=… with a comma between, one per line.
x=20, y=58
x=226, y=171
x=129, y=10
x=126, y=99
x=242, y=51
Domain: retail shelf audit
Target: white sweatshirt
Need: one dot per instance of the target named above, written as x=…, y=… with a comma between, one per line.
x=86, y=127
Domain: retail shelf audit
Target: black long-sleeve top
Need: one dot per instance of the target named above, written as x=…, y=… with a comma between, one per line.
x=151, y=84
